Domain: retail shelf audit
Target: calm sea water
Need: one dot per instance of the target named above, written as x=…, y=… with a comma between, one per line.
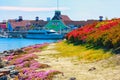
x=13, y=43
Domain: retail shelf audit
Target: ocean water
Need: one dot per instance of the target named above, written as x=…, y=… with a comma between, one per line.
x=15, y=43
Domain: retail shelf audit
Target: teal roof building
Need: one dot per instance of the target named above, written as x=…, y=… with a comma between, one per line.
x=56, y=23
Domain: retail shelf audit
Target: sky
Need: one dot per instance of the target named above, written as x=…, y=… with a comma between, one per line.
x=76, y=9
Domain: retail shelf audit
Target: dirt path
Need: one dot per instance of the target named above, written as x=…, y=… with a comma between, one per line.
x=72, y=68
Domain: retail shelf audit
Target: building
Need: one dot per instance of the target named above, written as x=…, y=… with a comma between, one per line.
x=3, y=25
x=20, y=24
x=56, y=23
x=38, y=24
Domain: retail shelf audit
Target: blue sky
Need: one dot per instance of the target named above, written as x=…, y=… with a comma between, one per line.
x=75, y=9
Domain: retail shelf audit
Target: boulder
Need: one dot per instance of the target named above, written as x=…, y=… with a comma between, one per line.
x=4, y=77
x=72, y=78
x=18, y=51
x=4, y=73
x=11, y=67
x=2, y=63
x=13, y=73
x=11, y=51
x=92, y=69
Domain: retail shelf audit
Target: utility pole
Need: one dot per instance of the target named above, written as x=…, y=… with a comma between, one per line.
x=57, y=4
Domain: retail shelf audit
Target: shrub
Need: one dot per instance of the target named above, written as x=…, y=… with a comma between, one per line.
x=105, y=34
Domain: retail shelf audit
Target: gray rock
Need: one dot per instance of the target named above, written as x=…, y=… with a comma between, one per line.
x=3, y=77
x=18, y=51
x=92, y=69
x=11, y=51
x=10, y=67
x=5, y=52
x=12, y=76
x=72, y=78
x=2, y=63
x=0, y=59
x=14, y=72
x=6, y=71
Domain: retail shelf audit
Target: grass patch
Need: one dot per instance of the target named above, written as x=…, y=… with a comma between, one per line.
x=81, y=52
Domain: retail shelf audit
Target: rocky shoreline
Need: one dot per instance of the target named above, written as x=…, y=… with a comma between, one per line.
x=8, y=71
x=20, y=64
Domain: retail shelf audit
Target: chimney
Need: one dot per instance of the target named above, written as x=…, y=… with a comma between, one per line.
x=100, y=18
x=20, y=18
x=36, y=18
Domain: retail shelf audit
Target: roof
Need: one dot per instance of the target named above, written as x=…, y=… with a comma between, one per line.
x=74, y=22
x=41, y=22
x=91, y=21
x=3, y=25
x=56, y=25
x=19, y=23
x=65, y=18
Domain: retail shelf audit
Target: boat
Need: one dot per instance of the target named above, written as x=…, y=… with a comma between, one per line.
x=3, y=35
x=44, y=34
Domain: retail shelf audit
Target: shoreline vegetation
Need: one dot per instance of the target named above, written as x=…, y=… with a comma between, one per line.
x=81, y=52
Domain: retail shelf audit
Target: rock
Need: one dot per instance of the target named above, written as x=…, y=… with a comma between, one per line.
x=72, y=78
x=0, y=59
x=10, y=67
x=6, y=62
x=1, y=54
x=3, y=77
x=5, y=52
x=14, y=72
x=9, y=70
x=5, y=71
x=12, y=76
x=2, y=74
x=92, y=69
x=2, y=64
x=18, y=51
x=11, y=51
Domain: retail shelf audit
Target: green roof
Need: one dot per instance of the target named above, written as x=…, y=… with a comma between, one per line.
x=55, y=25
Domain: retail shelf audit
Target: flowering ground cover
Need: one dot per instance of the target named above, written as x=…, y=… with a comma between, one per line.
x=27, y=66
x=103, y=34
